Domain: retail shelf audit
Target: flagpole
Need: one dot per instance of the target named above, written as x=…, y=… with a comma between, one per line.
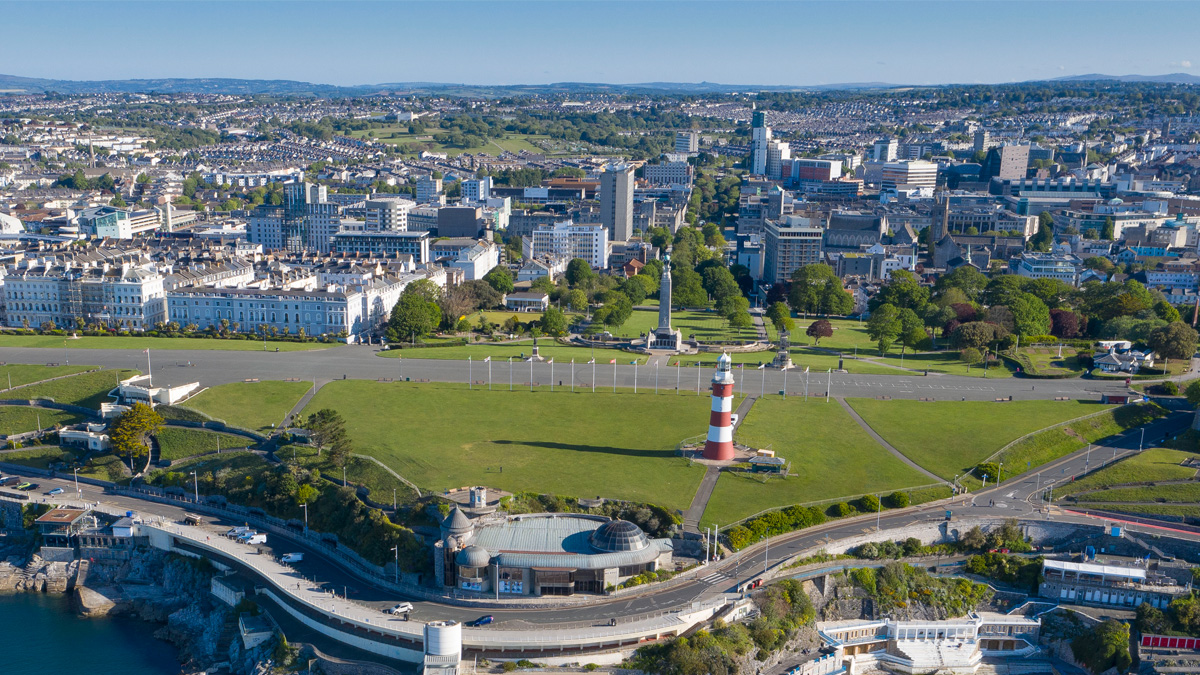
x=552, y=374
x=614, y=364
x=572, y=376
x=469, y=371
x=530, y=374
x=488, y=361
x=635, y=376
x=149, y=370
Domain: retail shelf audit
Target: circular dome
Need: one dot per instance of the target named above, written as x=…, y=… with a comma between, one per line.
x=473, y=556
x=619, y=535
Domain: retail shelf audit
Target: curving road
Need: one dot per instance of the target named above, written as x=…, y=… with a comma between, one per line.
x=212, y=368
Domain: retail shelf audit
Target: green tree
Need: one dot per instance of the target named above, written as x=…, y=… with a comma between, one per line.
x=687, y=289
x=719, y=283
x=1176, y=340
x=1044, y=237
x=577, y=300
x=580, y=274
x=500, y=279
x=902, y=290
x=130, y=432
x=306, y=494
x=553, y=322
x=884, y=327
x=1166, y=312
x=781, y=317
x=1030, y=315
x=326, y=428
x=1193, y=393
x=966, y=278
x=615, y=311
x=411, y=318
x=1110, y=228
x=835, y=299
x=808, y=284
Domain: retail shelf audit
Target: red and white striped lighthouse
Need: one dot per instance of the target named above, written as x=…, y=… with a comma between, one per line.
x=719, y=444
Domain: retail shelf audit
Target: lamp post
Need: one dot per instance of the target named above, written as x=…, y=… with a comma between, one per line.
x=305, y=505
x=78, y=492
x=195, y=486
x=396, y=550
x=1142, y=443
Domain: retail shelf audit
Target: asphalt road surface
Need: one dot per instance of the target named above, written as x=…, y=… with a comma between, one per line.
x=211, y=368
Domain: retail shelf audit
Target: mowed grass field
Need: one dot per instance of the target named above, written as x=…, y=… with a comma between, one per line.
x=177, y=443
x=19, y=374
x=706, y=326
x=832, y=455
x=950, y=437
x=153, y=343
x=1154, y=464
x=85, y=389
x=20, y=419
x=500, y=353
x=443, y=436
x=249, y=405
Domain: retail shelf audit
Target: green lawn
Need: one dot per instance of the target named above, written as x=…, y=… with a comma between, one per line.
x=20, y=374
x=86, y=389
x=238, y=462
x=19, y=419
x=847, y=334
x=1178, y=492
x=1177, y=510
x=1046, y=361
x=500, y=353
x=108, y=467
x=832, y=455
x=443, y=436
x=1155, y=464
x=152, y=343
x=359, y=471
x=802, y=357
x=705, y=326
x=949, y=437
x=249, y=405
x=177, y=442
x=1054, y=443
x=38, y=458
x=947, y=362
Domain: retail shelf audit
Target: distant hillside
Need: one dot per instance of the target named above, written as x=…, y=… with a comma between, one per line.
x=17, y=84
x=1171, y=78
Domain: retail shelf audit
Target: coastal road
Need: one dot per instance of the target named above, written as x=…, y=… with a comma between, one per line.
x=211, y=368
x=1016, y=497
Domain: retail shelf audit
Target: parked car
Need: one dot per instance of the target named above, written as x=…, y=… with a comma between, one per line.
x=482, y=621
x=292, y=557
x=9, y=480
x=27, y=486
x=237, y=532
x=402, y=608
x=56, y=491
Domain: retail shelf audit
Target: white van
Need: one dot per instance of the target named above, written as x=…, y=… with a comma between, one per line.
x=292, y=557
x=257, y=539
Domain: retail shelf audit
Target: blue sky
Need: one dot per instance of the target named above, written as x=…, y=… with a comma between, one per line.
x=495, y=42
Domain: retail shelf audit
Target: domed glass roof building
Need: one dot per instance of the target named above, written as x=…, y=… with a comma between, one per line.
x=544, y=553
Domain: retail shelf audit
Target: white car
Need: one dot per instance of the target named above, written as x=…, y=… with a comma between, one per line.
x=402, y=608
x=292, y=557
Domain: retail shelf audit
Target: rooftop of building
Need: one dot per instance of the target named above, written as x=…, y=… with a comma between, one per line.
x=61, y=516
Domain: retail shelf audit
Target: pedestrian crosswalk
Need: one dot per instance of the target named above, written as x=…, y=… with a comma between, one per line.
x=715, y=578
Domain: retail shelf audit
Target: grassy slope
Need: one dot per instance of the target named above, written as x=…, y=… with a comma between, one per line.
x=1155, y=464
x=21, y=373
x=831, y=454
x=19, y=419
x=175, y=442
x=87, y=389
x=948, y=437
x=547, y=347
x=250, y=405
x=443, y=436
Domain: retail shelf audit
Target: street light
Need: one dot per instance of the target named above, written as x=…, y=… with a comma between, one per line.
x=396, y=550
x=78, y=492
x=195, y=486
